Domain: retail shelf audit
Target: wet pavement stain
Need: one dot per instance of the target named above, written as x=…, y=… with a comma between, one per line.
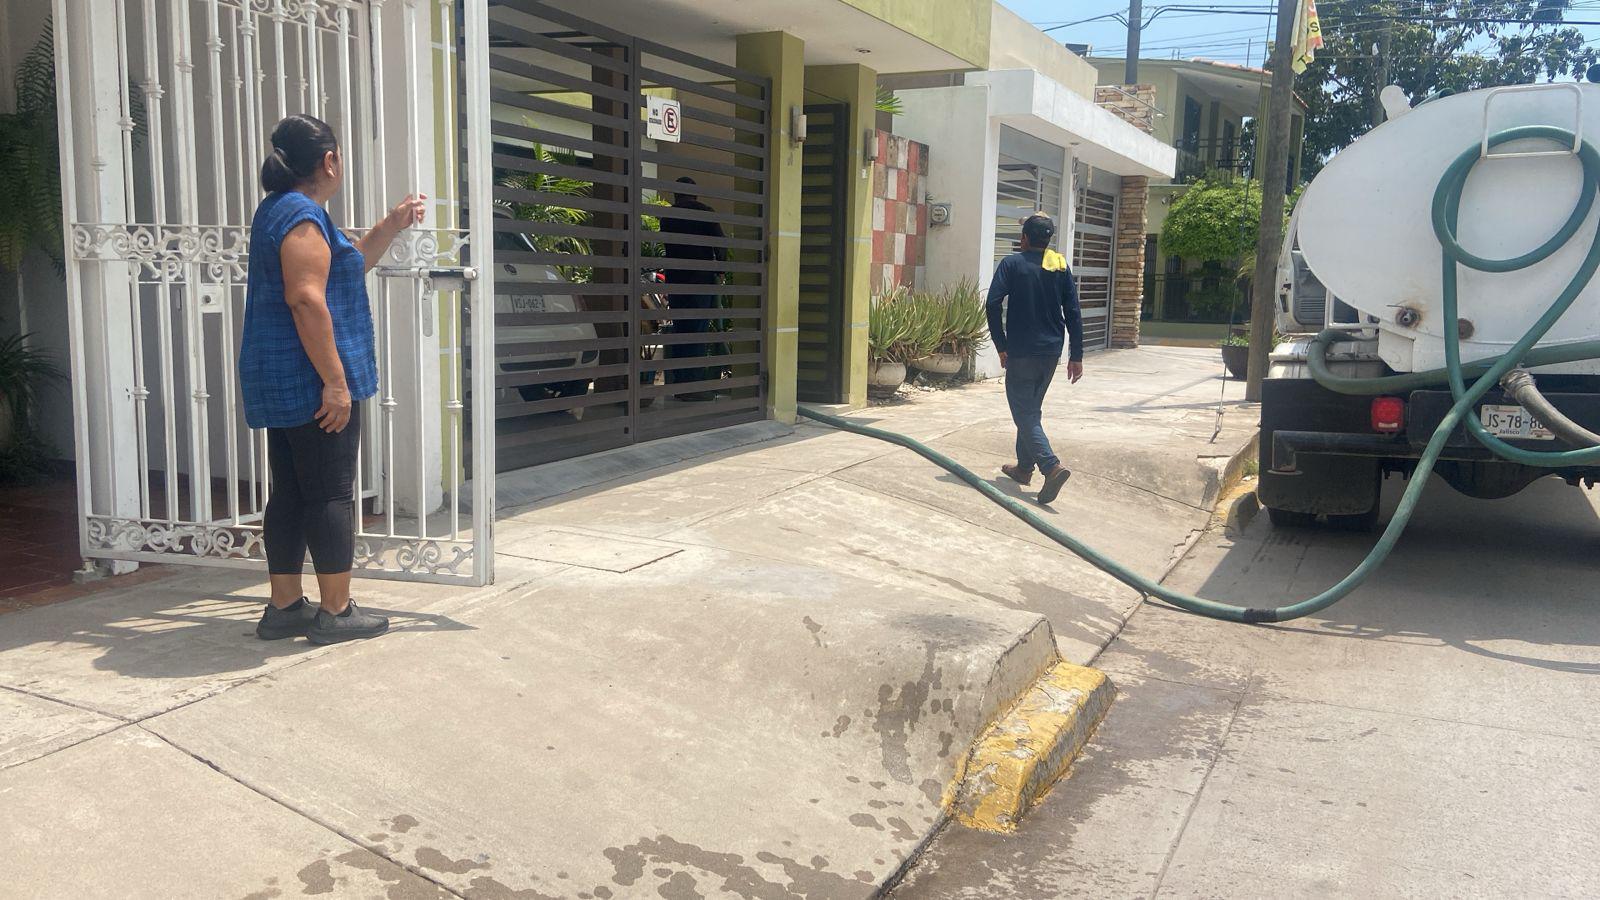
x=402, y=884
x=402, y=824
x=841, y=726
x=815, y=628
x=429, y=858
x=903, y=830
x=813, y=882
x=486, y=888
x=681, y=886
x=739, y=879
x=899, y=712
x=863, y=820
x=317, y=878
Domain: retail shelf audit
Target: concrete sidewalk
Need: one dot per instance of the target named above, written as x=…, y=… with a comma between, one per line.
x=751, y=673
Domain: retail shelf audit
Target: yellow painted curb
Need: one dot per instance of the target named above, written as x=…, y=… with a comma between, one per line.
x=1016, y=760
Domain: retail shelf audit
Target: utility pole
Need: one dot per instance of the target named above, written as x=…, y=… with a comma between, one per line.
x=1274, y=181
x=1380, y=79
x=1130, y=65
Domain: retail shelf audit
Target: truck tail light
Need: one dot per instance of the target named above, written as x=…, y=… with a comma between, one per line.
x=1388, y=414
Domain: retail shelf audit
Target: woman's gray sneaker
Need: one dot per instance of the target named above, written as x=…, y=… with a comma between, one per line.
x=351, y=625
x=293, y=620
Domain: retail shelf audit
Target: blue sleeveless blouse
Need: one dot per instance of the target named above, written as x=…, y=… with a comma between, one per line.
x=281, y=387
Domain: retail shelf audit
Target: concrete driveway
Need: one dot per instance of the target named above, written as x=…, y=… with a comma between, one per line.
x=742, y=664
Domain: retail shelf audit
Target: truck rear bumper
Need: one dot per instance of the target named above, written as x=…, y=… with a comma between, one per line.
x=1424, y=411
x=1288, y=445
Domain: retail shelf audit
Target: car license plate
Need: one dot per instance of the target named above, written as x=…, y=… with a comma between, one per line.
x=1514, y=422
x=527, y=304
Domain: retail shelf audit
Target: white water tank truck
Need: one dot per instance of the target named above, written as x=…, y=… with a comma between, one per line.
x=1363, y=256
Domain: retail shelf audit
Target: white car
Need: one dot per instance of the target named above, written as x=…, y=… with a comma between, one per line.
x=520, y=293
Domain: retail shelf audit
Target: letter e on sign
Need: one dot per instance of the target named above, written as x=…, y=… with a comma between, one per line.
x=666, y=120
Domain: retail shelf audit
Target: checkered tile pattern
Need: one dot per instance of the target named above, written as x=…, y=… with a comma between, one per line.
x=899, y=212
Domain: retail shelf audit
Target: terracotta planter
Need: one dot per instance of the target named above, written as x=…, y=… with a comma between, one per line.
x=1237, y=359
x=886, y=375
x=940, y=363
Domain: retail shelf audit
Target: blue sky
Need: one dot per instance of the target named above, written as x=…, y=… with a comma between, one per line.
x=1213, y=35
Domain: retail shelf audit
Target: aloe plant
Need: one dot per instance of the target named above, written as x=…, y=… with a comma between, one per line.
x=888, y=326
x=966, y=322
x=925, y=333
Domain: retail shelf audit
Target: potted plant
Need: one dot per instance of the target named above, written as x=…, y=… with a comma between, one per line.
x=963, y=329
x=1236, y=354
x=23, y=372
x=888, y=329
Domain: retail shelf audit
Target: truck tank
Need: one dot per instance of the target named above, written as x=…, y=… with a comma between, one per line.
x=1365, y=224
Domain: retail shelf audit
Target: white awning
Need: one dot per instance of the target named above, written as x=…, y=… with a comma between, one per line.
x=1032, y=103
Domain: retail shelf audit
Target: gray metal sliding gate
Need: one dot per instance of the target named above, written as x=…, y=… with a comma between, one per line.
x=630, y=306
x=822, y=248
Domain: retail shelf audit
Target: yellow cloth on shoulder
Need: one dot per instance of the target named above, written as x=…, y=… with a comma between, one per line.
x=1054, y=262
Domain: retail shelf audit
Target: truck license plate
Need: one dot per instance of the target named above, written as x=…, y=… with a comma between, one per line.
x=527, y=304
x=1514, y=422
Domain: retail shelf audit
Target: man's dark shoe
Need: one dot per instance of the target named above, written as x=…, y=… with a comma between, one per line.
x=293, y=620
x=1016, y=474
x=351, y=625
x=1053, y=483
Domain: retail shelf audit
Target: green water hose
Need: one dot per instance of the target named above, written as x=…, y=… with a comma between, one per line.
x=1486, y=373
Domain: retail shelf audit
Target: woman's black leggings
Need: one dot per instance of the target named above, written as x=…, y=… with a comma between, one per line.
x=312, y=504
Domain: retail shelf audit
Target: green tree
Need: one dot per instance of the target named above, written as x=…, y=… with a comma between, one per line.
x=1439, y=45
x=1213, y=221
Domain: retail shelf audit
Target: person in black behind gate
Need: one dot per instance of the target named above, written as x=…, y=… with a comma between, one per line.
x=696, y=226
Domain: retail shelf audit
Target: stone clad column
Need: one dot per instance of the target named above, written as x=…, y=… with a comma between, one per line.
x=1128, y=275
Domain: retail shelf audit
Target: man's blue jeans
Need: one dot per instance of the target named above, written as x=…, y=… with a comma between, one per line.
x=1027, y=380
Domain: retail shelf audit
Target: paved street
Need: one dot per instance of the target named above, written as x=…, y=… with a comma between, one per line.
x=1432, y=735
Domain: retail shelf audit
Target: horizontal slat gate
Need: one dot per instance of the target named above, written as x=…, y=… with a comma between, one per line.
x=619, y=318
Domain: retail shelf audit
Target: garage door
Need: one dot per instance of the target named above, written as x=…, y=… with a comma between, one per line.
x=631, y=305
x=1093, y=251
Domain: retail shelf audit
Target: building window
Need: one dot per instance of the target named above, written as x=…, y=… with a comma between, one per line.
x=1191, y=125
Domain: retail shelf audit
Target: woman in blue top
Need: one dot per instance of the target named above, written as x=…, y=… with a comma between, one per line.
x=307, y=359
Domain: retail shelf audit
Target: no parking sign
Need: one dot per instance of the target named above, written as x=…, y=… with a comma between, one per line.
x=666, y=120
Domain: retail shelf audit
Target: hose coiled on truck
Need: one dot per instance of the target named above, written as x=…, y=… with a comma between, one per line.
x=1485, y=374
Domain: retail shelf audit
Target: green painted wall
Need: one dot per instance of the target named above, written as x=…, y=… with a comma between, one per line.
x=960, y=27
x=857, y=86
x=781, y=57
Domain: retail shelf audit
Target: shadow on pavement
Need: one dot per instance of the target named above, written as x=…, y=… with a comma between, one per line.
x=1520, y=571
x=191, y=626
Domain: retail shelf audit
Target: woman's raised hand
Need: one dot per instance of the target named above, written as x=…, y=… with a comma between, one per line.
x=407, y=212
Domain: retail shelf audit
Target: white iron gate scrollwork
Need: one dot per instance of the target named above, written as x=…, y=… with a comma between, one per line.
x=165, y=110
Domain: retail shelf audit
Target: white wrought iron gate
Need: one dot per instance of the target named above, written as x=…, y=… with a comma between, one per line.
x=165, y=109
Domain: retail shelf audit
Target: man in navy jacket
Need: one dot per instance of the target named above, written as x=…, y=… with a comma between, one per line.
x=1041, y=320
